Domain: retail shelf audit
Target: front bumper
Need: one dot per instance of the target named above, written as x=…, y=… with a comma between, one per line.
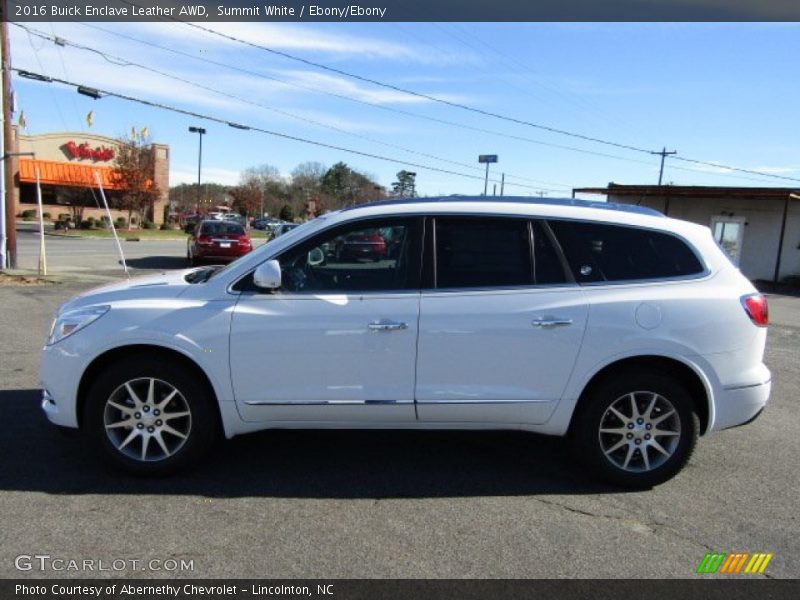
x=61, y=365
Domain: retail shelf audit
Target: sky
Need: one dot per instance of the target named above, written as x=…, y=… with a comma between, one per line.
x=726, y=94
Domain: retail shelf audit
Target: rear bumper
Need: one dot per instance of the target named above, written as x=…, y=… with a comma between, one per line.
x=739, y=405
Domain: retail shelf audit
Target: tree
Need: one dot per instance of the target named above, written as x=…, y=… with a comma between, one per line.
x=273, y=187
x=134, y=173
x=247, y=199
x=406, y=185
x=342, y=186
x=286, y=214
x=184, y=197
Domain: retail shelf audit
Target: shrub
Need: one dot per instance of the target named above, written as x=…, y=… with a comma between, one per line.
x=165, y=227
x=148, y=224
x=47, y=216
x=104, y=222
x=120, y=222
x=28, y=215
x=87, y=223
x=64, y=216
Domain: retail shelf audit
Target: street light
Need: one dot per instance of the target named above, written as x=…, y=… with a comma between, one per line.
x=201, y=132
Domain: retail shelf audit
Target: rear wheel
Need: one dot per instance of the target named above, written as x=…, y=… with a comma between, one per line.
x=150, y=416
x=636, y=430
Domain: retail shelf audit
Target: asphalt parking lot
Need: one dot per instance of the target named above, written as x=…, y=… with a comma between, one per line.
x=377, y=504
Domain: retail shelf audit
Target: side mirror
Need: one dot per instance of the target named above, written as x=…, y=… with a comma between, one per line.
x=267, y=276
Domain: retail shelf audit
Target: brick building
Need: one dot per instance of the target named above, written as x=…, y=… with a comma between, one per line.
x=68, y=163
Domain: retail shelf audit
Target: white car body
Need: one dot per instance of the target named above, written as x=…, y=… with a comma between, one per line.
x=465, y=360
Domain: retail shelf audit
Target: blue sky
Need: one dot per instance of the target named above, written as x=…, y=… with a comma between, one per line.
x=722, y=93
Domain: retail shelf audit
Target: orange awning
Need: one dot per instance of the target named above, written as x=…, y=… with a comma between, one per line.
x=52, y=172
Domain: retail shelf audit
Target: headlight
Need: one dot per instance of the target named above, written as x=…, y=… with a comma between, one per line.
x=71, y=321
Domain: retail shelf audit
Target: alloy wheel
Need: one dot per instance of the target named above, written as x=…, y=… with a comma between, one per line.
x=147, y=419
x=639, y=431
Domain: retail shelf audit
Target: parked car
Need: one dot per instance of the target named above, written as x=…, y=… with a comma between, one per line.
x=282, y=228
x=263, y=223
x=365, y=244
x=218, y=241
x=236, y=218
x=628, y=332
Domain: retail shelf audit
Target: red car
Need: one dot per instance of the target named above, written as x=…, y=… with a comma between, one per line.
x=362, y=245
x=217, y=241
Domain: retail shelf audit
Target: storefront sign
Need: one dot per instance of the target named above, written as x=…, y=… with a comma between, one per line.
x=75, y=151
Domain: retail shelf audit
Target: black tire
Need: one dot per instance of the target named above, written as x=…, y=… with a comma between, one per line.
x=200, y=428
x=646, y=465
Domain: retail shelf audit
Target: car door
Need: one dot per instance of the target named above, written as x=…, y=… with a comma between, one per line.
x=500, y=323
x=337, y=342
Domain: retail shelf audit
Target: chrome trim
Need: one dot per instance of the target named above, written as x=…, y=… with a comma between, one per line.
x=327, y=402
x=548, y=322
x=47, y=397
x=480, y=401
x=387, y=325
x=748, y=386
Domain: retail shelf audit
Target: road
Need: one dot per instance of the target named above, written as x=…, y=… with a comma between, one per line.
x=98, y=258
x=388, y=504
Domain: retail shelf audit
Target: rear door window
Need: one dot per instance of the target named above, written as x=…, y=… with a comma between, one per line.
x=604, y=252
x=480, y=252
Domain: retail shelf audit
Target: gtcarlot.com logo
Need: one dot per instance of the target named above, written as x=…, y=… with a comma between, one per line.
x=46, y=562
x=734, y=562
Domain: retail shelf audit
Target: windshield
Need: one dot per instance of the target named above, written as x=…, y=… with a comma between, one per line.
x=219, y=227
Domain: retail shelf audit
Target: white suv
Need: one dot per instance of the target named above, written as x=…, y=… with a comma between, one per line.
x=627, y=331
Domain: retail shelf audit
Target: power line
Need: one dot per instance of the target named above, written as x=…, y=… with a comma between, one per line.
x=450, y=103
x=407, y=113
x=126, y=63
x=443, y=121
x=466, y=107
x=371, y=104
x=197, y=115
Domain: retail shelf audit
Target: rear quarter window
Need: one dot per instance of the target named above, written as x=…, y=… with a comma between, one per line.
x=603, y=252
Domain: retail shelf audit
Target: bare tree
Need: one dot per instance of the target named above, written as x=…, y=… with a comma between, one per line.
x=272, y=186
x=134, y=173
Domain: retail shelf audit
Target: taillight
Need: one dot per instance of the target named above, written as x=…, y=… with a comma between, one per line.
x=755, y=305
x=204, y=240
x=244, y=240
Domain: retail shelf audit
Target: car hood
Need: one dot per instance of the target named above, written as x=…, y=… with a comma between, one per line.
x=163, y=285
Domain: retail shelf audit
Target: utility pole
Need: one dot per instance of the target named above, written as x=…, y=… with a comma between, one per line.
x=10, y=254
x=502, y=183
x=663, y=155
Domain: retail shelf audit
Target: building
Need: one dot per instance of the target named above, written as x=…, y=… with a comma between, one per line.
x=758, y=227
x=68, y=164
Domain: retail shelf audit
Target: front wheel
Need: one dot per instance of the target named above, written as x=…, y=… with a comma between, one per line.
x=636, y=430
x=150, y=416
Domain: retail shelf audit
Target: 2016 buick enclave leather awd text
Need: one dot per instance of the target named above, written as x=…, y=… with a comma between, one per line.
x=630, y=332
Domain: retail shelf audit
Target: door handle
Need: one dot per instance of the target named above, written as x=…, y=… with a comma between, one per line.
x=387, y=325
x=548, y=322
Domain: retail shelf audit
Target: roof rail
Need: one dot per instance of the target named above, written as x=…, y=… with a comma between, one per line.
x=631, y=208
